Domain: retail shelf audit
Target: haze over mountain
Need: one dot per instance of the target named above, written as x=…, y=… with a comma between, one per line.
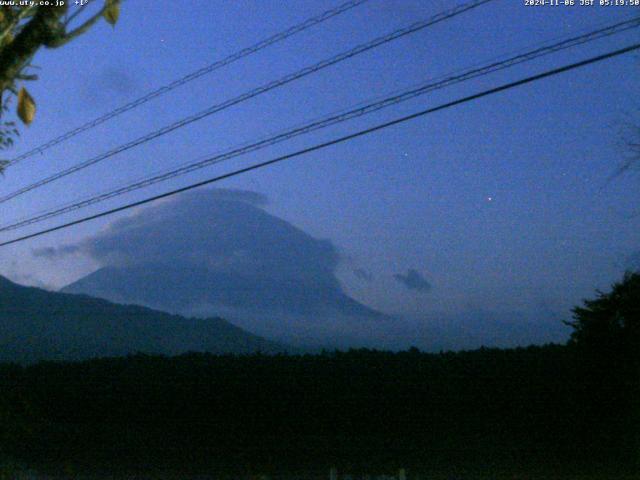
x=39, y=325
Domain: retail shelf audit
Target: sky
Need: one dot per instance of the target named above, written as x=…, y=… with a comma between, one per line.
x=505, y=204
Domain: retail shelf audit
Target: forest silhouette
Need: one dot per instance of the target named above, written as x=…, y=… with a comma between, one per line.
x=559, y=408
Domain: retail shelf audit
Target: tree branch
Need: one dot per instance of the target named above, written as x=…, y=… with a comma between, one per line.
x=60, y=41
x=43, y=28
x=15, y=21
x=31, y=77
x=72, y=17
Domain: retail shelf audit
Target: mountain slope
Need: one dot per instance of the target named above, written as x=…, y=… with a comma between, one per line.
x=36, y=324
x=297, y=311
x=182, y=288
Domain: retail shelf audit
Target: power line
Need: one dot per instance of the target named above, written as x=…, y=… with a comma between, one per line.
x=278, y=37
x=397, y=121
x=326, y=121
x=413, y=28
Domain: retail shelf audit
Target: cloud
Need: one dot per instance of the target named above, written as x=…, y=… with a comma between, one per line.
x=413, y=280
x=111, y=81
x=51, y=253
x=224, y=230
x=13, y=271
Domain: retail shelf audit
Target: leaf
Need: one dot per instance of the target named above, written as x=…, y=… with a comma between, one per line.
x=7, y=39
x=26, y=106
x=112, y=12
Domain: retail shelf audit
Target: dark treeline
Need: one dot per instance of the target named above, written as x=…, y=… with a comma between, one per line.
x=553, y=408
x=536, y=407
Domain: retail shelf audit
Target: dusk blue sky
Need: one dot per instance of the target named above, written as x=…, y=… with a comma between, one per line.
x=501, y=204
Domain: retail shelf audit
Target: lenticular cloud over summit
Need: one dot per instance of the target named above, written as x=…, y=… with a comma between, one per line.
x=217, y=252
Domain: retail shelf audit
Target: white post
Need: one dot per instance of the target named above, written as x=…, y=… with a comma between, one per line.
x=333, y=473
x=402, y=474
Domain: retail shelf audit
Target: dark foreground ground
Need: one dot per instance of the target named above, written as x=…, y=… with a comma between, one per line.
x=306, y=476
x=531, y=413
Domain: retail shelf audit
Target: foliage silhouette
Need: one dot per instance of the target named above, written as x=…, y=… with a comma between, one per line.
x=611, y=322
x=25, y=28
x=361, y=409
x=606, y=340
x=557, y=409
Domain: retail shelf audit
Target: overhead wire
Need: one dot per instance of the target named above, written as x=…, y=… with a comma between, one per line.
x=362, y=48
x=326, y=121
x=335, y=141
x=261, y=45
